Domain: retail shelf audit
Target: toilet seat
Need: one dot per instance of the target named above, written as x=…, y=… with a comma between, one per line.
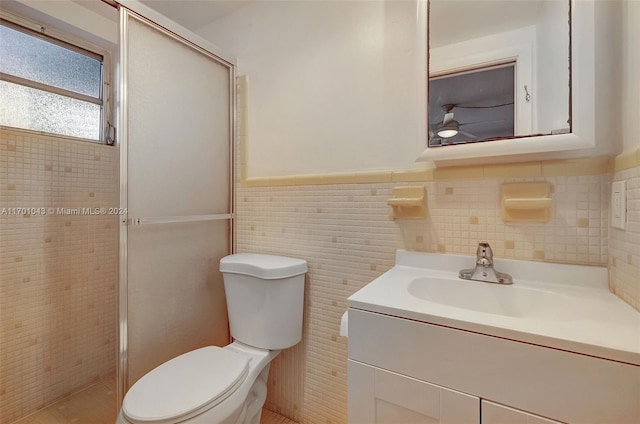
x=185, y=386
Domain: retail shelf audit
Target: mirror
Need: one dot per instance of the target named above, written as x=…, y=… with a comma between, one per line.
x=498, y=70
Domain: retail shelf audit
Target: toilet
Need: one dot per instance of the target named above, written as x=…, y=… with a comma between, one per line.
x=228, y=384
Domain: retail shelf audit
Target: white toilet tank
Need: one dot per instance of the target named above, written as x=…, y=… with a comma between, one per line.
x=265, y=296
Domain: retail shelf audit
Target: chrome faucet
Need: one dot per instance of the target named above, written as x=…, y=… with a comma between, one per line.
x=484, y=270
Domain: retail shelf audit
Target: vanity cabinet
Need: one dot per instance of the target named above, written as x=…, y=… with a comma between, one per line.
x=399, y=368
x=378, y=396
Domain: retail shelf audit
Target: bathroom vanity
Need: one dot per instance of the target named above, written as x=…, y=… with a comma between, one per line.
x=426, y=347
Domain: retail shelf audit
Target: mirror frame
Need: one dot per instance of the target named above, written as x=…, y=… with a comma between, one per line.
x=580, y=142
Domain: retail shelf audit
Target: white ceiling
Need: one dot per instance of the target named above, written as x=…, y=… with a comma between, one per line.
x=195, y=14
x=99, y=8
x=191, y=14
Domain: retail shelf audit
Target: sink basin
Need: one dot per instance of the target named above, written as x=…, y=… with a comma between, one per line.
x=513, y=300
x=566, y=307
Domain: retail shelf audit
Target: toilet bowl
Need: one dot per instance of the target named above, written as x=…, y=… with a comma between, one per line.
x=228, y=384
x=183, y=389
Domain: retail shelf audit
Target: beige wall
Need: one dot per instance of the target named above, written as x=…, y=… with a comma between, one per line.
x=336, y=86
x=58, y=273
x=630, y=69
x=94, y=22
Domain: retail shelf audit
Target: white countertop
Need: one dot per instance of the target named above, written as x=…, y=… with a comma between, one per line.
x=567, y=307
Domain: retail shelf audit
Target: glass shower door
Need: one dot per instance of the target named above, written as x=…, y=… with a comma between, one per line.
x=176, y=138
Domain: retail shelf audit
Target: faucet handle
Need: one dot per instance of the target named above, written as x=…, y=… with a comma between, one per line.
x=484, y=254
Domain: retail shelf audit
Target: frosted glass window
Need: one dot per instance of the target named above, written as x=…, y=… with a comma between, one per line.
x=36, y=59
x=48, y=85
x=25, y=107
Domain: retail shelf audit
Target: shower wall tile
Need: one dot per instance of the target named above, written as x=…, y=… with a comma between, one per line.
x=346, y=234
x=624, y=245
x=58, y=268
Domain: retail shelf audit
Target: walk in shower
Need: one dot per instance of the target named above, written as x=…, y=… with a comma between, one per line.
x=58, y=270
x=109, y=253
x=58, y=250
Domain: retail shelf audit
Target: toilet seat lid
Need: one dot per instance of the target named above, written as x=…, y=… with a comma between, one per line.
x=186, y=384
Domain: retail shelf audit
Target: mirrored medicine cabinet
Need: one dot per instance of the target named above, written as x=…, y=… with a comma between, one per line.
x=514, y=80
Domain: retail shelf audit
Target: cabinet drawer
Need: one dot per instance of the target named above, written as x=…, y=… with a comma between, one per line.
x=499, y=414
x=561, y=385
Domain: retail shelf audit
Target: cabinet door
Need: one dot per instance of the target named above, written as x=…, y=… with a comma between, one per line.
x=383, y=397
x=497, y=414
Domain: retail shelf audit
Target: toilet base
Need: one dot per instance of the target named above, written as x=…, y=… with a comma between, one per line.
x=252, y=408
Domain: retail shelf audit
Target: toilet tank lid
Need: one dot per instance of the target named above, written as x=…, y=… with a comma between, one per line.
x=268, y=267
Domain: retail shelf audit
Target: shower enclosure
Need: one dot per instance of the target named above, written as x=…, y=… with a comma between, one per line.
x=176, y=133
x=88, y=297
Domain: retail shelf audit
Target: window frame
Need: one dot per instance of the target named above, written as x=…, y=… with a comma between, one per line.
x=75, y=44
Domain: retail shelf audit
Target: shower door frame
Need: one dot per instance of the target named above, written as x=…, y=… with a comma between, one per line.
x=139, y=11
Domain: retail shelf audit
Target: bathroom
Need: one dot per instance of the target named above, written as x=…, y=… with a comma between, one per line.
x=331, y=94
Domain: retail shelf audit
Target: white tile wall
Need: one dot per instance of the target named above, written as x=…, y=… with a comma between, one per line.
x=58, y=272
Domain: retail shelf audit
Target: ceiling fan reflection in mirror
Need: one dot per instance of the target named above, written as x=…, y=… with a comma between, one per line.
x=442, y=133
x=449, y=126
x=482, y=100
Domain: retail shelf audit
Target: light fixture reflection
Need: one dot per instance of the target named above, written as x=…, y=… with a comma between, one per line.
x=449, y=130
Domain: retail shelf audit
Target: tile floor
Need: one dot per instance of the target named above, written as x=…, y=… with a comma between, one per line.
x=96, y=405
x=93, y=405
x=269, y=417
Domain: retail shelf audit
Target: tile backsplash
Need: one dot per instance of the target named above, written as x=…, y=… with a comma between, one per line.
x=346, y=234
x=58, y=268
x=462, y=212
x=624, y=246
